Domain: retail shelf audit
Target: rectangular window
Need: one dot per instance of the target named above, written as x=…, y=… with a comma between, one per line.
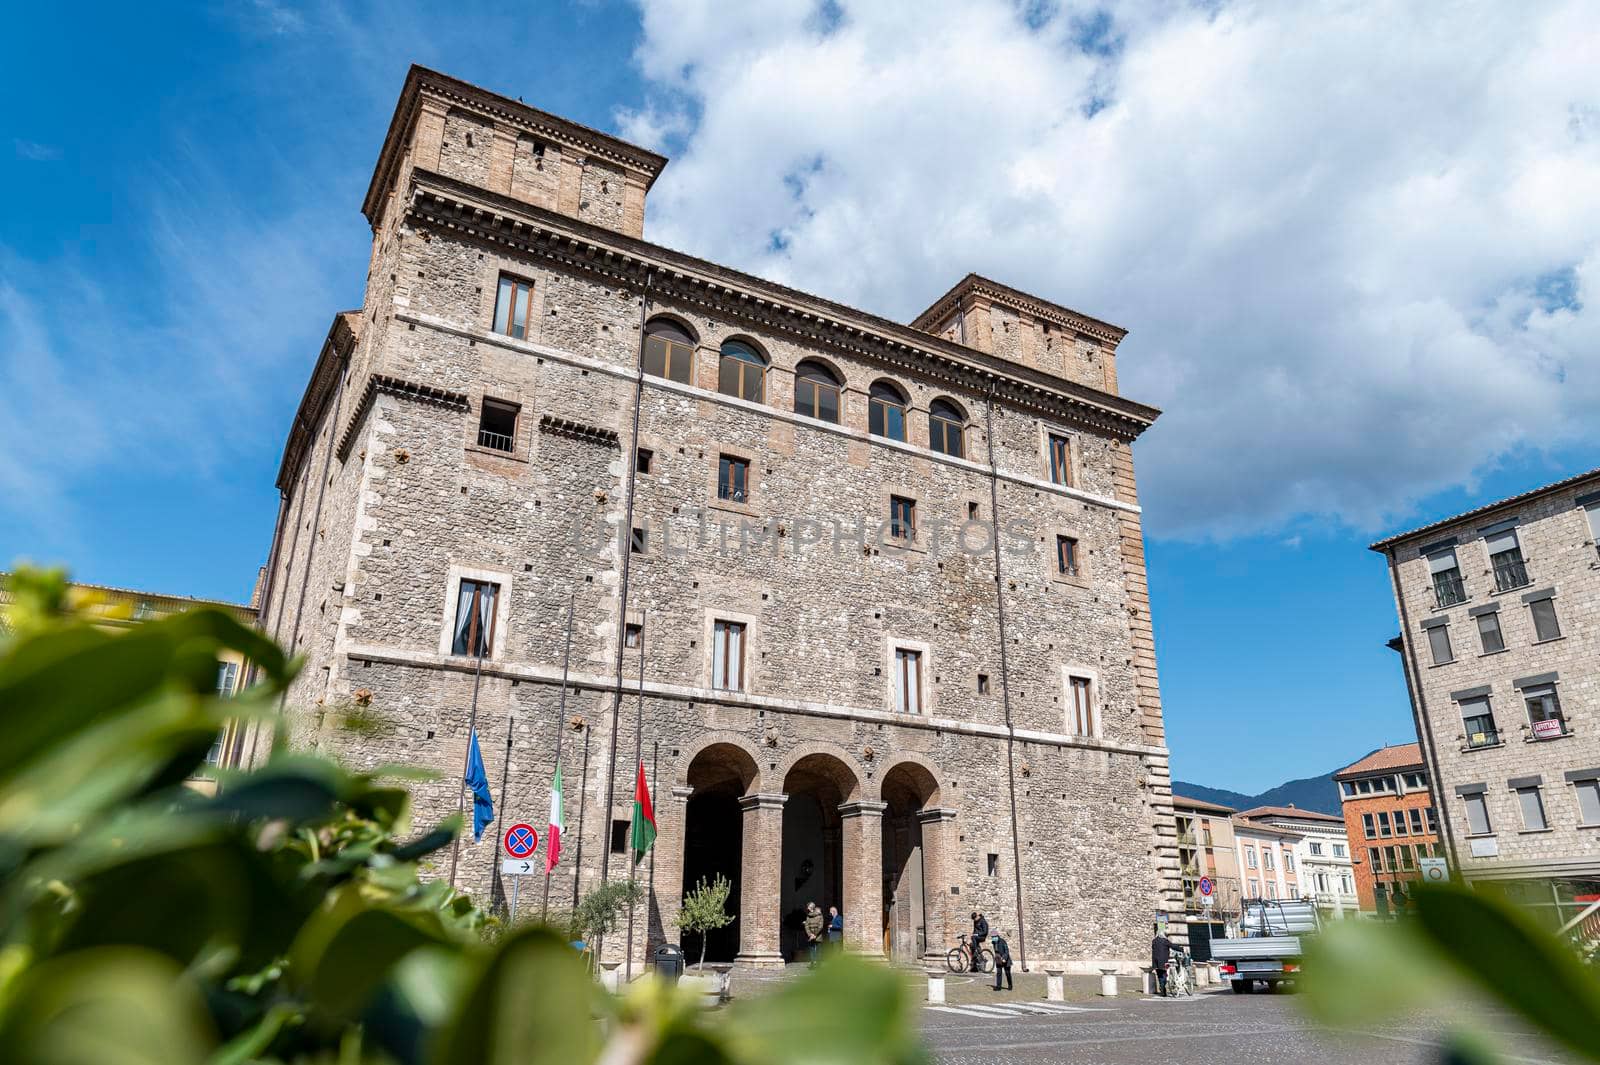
x=1268, y=858
x=1447, y=587
x=1593, y=511
x=1383, y=824
x=992, y=864
x=669, y=353
x=1588, y=802
x=1250, y=857
x=642, y=459
x=619, y=835
x=1532, y=804
x=1288, y=862
x=983, y=684
x=474, y=622
x=1505, y=555
x=1066, y=556
x=497, y=425
x=227, y=678
x=1272, y=890
x=1416, y=820
x=907, y=681
x=902, y=518
x=1392, y=857
x=1375, y=859
x=727, y=656
x=1060, y=460
x=639, y=543
x=1369, y=826
x=1439, y=644
x=511, y=305
x=632, y=635
x=1338, y=850
x=1477, y=805
x=1316, y=848
x=1082, y=709
x=1479, y=722
x=732, y=477
x=1489, y=632
x=1433, y=820
x=1544, y=706
x=1545, y=625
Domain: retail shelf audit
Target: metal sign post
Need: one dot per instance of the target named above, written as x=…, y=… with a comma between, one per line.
x=520, y=842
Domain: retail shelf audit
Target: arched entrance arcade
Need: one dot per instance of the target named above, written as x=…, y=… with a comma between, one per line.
x=719, y=778
x=915, y=851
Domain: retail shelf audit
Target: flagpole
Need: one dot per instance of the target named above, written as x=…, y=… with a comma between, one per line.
x=561, y=729
x=638, y=767
x=650, y=888
x=505, y=799
x=466, y=759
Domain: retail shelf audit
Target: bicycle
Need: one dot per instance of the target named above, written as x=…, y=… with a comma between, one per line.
x=959, y=959
x=1180, y=975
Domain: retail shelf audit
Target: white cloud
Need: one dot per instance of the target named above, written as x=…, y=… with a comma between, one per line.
x=1358, y=247
x=34, y=152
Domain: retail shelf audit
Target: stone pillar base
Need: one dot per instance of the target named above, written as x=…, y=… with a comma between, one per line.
x=759, y=960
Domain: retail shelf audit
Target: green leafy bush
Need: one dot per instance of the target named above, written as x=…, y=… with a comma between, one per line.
x=285, y=918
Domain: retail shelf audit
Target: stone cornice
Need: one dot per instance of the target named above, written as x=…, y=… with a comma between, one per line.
x=335, y=352
x=394, y=386
x=974, y=285
x=423, y=83
x=591, y=434
x=444, y=203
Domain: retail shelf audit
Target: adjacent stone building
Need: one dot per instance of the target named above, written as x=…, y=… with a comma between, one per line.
x=1500, y=634
x=779, y=509
x=1390, y=819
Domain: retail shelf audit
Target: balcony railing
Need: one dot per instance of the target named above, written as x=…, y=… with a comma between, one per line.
x=1484, y=737
x=1510, y=573
x=496, y=441
x=1448, y=588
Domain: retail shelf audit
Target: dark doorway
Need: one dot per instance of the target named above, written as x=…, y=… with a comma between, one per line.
x=813, y=845
x=907, y=789
x=713, y=838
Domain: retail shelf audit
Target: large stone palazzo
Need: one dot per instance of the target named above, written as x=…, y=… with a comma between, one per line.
x=841, y=700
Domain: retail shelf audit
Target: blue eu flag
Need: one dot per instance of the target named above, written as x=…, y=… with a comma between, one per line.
x=478, y=781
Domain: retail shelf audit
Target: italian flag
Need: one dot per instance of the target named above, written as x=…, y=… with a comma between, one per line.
x=644, y=818
x=552, y=842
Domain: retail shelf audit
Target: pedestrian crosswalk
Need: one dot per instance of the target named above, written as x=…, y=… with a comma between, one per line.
x=996, y=1011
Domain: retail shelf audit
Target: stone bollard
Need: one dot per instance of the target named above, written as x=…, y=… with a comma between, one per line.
x=610, y=979
x=1208, y=973
x=935, y=987
x=724, y=971
x=1055, y=985
x=1108, y=983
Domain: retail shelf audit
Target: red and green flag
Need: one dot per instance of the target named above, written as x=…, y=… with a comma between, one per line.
x=644, y=818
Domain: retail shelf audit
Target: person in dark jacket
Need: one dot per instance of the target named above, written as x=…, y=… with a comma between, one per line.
x=835, y=928
x=813, y=929
x=1002, y=960
x=1160, y=954
x=980, y=932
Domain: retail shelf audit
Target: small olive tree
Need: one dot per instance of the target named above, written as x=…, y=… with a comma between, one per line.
x=705, y=909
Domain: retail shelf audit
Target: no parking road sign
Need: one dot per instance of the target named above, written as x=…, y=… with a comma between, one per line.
x=521, y=841
x=1205, y=885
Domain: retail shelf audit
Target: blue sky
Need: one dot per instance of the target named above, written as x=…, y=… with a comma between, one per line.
x=1354, y=275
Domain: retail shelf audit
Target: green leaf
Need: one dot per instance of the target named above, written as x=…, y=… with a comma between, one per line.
x=1358, y=972
x=532, y=1004
x=112, y=1006
x=1505, y=953
x=348, y=948
x=847, y=1011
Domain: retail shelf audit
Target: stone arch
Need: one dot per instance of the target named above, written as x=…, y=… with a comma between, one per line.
x=825, y=762
x=909, y=779
x=733, y=751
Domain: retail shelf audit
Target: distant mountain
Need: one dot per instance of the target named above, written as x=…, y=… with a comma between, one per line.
x=1308, y=793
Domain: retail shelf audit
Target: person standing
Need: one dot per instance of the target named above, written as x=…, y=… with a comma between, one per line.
x=835, y=928
x=1160, y=954
x=1002, y=960
x=813, y=927
x=980, y=932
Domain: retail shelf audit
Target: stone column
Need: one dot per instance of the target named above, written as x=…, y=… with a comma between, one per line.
x=939, y=875
x=861, y=823
x=761, y=880
x=672, y=824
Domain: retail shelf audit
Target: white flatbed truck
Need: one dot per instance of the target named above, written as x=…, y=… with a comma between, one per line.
x=1268, y=945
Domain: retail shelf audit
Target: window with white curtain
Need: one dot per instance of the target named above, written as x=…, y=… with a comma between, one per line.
x=474, y=623
x=907, y=681
x=727, y=656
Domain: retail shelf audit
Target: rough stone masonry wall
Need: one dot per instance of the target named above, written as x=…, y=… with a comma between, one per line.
x=1559, y=549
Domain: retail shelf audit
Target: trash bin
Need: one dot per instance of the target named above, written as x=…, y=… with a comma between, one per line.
x=669, y=963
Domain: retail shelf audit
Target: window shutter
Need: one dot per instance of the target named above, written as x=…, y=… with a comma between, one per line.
x=1444, y=560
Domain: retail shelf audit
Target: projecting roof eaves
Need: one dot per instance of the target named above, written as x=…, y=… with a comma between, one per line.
x=1477, y=513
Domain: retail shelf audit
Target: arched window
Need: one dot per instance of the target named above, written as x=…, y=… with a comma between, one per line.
x=945, y=424
x=886, y=411
x=816, y=391
x=742, y=372
x=668, y=350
